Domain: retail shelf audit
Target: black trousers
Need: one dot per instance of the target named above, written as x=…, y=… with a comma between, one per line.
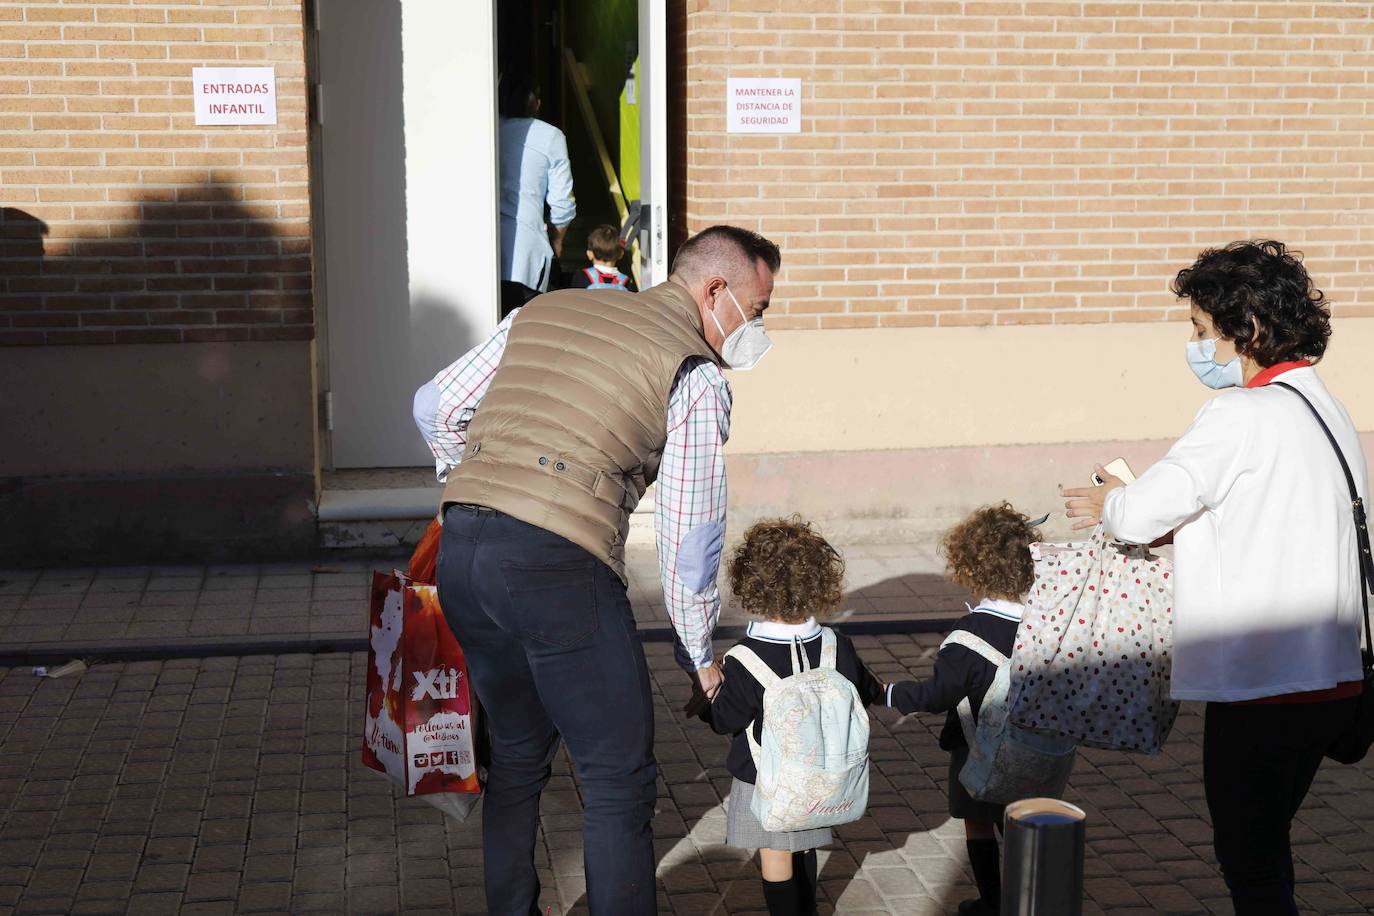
x=1258, y=763
x=514, y=295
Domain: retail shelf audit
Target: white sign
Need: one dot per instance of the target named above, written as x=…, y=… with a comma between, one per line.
x=235, y=95
x=763, y=106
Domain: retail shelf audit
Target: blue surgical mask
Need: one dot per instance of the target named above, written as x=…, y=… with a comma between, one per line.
x=1202, y=359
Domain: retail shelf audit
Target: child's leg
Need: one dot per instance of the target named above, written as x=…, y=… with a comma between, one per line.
x=779, y=891
x=985, y=859
x=804, y=877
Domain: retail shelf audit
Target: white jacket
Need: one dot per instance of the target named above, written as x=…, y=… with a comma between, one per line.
x=1267, y=595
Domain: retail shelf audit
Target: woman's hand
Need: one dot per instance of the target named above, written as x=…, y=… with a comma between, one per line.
x=1085, y=503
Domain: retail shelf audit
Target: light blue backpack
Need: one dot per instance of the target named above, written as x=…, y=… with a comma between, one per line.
x=813, y=758
x=1007, y=763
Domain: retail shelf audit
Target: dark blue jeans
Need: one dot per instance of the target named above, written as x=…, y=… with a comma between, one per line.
x=553, y=651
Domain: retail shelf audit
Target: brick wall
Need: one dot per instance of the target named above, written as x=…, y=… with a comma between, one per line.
x=977, y=163
x=123, y=221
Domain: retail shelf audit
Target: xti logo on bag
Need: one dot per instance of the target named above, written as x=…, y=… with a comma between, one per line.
x=437, y=684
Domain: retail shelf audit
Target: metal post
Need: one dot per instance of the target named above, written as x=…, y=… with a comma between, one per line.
x=1042, y=871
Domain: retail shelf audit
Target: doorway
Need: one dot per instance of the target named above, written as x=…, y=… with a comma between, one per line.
x=405, y=183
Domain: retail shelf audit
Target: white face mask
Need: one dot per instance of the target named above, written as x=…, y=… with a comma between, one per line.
x=1202, y=360
x=746, y=344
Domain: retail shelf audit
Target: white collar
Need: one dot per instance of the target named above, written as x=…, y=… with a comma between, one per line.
x=1007, y=610
x=776, y=631
x=600, y=268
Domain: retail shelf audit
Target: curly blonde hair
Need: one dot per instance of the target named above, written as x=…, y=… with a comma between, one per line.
x=785, y=571
x=989, y=553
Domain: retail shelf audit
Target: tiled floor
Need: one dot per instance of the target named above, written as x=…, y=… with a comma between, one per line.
x=233, y=785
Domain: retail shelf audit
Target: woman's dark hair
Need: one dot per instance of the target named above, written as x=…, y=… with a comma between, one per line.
x=785, y=571
x=988, y=553
x=515, y=95
x=1259, y=282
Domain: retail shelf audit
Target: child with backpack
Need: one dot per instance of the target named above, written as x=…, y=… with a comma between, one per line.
x=794, y=698
x=604, y=250
x=989, y=554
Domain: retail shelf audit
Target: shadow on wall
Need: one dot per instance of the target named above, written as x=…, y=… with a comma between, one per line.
x=124, y=442
x=191, y=263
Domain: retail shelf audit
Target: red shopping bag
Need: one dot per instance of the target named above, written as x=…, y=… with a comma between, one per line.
x=425, y=559
x=421, y=725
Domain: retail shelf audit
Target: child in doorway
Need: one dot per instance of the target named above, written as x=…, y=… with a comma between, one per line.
x=604, y=251
x=787, y=574
x=989, y=554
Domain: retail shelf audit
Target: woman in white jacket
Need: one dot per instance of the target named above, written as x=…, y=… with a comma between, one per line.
x=1266, y=600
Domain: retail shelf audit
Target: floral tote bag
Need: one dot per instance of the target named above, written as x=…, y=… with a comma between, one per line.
x=1093, y=655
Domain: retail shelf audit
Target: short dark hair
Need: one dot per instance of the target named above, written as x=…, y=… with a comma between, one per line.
x=722, y=248
x=988, y=553
x=784, y=570
x=1262, y=282
x=604, y=243
x=516, y=93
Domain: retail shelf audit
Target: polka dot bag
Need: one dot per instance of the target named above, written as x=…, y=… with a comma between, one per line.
x=1092, y=659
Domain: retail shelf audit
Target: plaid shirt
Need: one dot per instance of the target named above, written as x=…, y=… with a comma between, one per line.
x=689, y=515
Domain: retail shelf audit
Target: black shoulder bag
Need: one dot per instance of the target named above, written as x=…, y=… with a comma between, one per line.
x=1354, y=742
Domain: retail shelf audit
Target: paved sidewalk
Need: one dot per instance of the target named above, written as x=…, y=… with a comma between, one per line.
x=227, y=785
x=112, y=608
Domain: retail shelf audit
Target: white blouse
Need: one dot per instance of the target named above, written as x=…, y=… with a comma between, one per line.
x=1266, y=598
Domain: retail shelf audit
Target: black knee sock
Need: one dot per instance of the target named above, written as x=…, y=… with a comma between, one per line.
x=781, y=897
x=986, y=861
x=804, y=877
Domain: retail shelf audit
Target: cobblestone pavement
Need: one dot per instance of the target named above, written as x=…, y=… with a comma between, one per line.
x=229, y=785
x=121, y=607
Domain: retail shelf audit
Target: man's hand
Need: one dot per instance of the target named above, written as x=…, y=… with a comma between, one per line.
x=711, y=678
x=1085, y=503
x=556, y=236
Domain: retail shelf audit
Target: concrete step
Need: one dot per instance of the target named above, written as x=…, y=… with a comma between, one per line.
x=381, y=518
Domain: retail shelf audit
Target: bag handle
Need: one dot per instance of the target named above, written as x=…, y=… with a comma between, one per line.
x=1363, y=559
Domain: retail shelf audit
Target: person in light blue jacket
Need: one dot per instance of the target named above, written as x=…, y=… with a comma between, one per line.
x=534, y=171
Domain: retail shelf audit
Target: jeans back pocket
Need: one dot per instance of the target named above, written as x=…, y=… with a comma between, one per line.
x=553, y=603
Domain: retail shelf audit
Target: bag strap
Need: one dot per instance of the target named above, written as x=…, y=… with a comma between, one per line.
x=975, y=644
x=829, y=648
x=1363, y=558
x=967, y=723
x=766, y=677
x=746, y=656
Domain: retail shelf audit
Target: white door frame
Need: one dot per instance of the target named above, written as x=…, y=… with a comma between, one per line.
x=653, y=139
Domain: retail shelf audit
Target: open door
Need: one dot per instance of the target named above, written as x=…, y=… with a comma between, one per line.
x=406, y=218
x=652, y=73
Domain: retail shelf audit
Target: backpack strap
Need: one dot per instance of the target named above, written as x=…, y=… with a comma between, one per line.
x=975, y=644
x=982, y=647
x=754, y=665
x=829, y=648
x=766, y=678
x=591, y=274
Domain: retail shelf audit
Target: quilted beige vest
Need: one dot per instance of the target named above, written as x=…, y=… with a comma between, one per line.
x=570, y=432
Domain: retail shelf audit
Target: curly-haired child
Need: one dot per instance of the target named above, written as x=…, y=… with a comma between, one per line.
x=788, y=575
x=989, y=554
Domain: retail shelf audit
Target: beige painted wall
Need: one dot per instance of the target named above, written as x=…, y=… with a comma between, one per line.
x=914, y=388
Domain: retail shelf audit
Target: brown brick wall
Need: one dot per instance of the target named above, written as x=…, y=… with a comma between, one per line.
x=123, y=221
x=977, y=163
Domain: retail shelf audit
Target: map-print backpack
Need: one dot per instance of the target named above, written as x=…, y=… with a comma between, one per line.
x=812, y=758
x=1006, y=763
x=1093, y=654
